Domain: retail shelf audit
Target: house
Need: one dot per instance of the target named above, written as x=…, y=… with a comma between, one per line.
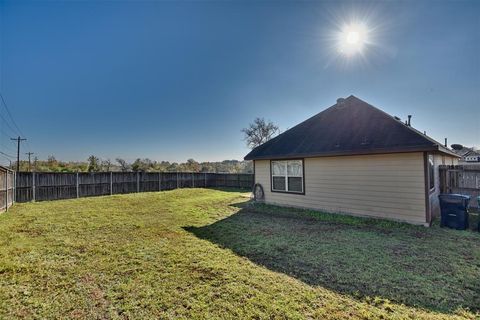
x=355, y=159
x=467, y=155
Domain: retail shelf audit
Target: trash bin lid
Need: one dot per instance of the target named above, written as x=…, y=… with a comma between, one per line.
x=455, y=195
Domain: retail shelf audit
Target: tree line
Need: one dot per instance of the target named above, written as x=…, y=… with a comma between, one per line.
x=96, y=164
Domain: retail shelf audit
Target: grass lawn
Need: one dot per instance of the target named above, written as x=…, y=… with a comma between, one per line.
x=208, y=254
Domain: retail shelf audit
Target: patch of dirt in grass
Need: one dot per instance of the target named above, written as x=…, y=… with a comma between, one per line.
x=30, y=232
x=23, y=313
x=400, y=250
x=204, y=273
x=77, y=314
x=420, y=235
x=96, y=294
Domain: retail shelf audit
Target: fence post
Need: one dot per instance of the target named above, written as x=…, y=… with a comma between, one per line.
x=447, y=178
x=138, y=182
x=205, y=179
x=159, y=181
x=12, y=194
x=193, y=180
x=12, y=181
x=111, y=182
x=33, y=187
x=177, y=181
x=238, y=180
x=76, y=185
x=15, y=187
x=6, y=190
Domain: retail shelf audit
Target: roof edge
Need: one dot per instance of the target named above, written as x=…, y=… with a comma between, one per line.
x=6, y=168
x=445, y=150
x=347, y=153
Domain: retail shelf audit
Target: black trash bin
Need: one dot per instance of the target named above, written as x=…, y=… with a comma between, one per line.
x=454, y=208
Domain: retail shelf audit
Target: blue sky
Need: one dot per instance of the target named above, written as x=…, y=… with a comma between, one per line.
x=179, y=80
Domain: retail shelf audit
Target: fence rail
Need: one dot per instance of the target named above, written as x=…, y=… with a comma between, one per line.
x=461, y=179
x=42, y=186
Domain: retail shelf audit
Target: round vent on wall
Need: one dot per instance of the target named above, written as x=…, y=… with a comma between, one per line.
x=258, y=194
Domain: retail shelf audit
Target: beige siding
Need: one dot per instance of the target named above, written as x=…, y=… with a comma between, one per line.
x=387, y=186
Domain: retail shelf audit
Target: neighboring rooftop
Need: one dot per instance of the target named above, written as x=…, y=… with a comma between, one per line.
x=465, y=151
x=466, y=154
x=349, y=127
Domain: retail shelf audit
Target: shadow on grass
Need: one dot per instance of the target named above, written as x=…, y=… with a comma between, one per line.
x=231, y=189
x=431, y=268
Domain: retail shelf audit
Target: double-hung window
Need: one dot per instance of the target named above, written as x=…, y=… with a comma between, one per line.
x=287, y=176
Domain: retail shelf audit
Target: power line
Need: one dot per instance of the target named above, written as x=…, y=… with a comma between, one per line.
x=6, y=147
x=4, y=156
x=7, y=155
x=7, y=151
x=10, y=115
x=3, y=132
x=20, y=133
x=9, y=126
x=7, y=158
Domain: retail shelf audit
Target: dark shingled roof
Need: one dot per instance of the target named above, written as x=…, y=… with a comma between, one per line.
x=349, y=127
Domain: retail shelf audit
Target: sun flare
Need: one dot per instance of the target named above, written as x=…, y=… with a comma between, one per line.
x=352, y=39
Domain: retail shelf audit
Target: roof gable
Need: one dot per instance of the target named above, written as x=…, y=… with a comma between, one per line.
x=351, y=126
x=467, y=152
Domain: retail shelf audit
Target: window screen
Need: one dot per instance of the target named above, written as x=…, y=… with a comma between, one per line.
x=287, y=176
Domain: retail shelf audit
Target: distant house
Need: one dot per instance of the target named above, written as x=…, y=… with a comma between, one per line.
x=353, y=158
x=467, y=155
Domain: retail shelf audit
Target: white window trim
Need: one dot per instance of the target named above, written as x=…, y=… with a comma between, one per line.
x=285, y=176
x=430, y=178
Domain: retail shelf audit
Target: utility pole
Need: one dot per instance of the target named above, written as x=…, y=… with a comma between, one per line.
x=18, y=139
x=35, y=163
x=29, y=154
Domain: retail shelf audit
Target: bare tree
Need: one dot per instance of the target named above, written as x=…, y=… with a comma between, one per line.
x=124, y=166
x=106, y=165
x=259, y=132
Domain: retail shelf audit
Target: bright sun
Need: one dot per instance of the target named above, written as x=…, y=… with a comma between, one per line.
x=352, y=39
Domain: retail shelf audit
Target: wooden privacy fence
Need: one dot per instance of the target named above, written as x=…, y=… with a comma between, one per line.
x=7, y=188
x=461, y=179
x=40, y=186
